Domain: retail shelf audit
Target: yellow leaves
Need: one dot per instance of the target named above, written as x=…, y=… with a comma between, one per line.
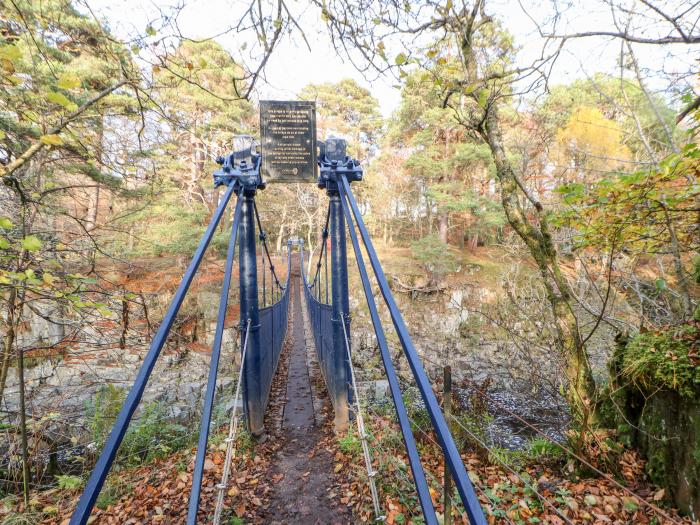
x=51, y=140
x=68, y=81
x=31, y=243
x=7, y=66
x=10, y=53
x=590, y=500
x=61, y=100
x=592, y=140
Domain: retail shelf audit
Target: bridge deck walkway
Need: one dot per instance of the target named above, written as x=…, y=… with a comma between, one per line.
x=302, y=473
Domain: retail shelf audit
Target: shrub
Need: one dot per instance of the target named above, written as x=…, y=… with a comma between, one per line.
x=350, y=444
x=539, y=448
x=435, y=256
x=69, y=482
x=150, y=435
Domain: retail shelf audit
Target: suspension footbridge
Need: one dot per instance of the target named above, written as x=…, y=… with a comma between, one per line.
x=264, y=310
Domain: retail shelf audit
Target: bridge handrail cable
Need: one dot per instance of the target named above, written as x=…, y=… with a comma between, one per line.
x=316, y=310
x=263, y=238
x=231, y=438
x=316, y=283
x=359, y=418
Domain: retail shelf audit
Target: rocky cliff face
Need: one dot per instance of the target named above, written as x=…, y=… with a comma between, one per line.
x=62, y=378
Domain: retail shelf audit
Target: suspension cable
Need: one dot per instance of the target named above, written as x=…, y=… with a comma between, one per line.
x=320, y=255
x=427, y=435
x=264, y=273
x=611, y=479
x=325, y=264
x=263, y=238
x=512, y=471
x=197, y=474
x=474, y=386
x=232, y=432
x=371, y=473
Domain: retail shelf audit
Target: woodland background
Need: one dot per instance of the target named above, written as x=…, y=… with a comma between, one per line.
x=570, y=213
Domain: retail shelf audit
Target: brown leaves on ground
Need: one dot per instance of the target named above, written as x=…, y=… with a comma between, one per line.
x=159, y=492
x=533, y=494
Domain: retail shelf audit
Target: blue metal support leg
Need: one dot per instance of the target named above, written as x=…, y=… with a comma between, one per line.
x=341, y=308
x=109, y=452
x=452, y=457
x=253, y=389
x=422, y=488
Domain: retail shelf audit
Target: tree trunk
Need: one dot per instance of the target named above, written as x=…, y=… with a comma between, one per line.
x=94, y=193
x=580, y=391
x=125, y=322
x=8, y=341
x=93, y=206
x=686, y=301
x=194, y=187
x=473, y=242
x=130, y=241
x=443, y=215
x=442, y=226
x=280, y=232
x=26, y=472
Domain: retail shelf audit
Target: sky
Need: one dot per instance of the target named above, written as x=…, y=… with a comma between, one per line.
x=293, y=65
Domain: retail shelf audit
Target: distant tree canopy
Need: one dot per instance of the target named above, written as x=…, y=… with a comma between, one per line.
x=623, y=102
x=347, y=109
x=199, y=93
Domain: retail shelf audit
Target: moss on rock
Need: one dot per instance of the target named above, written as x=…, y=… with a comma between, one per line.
x=663, y=360
x=654, y=402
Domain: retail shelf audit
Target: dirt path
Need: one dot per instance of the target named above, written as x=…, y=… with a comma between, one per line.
x=302, y=468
